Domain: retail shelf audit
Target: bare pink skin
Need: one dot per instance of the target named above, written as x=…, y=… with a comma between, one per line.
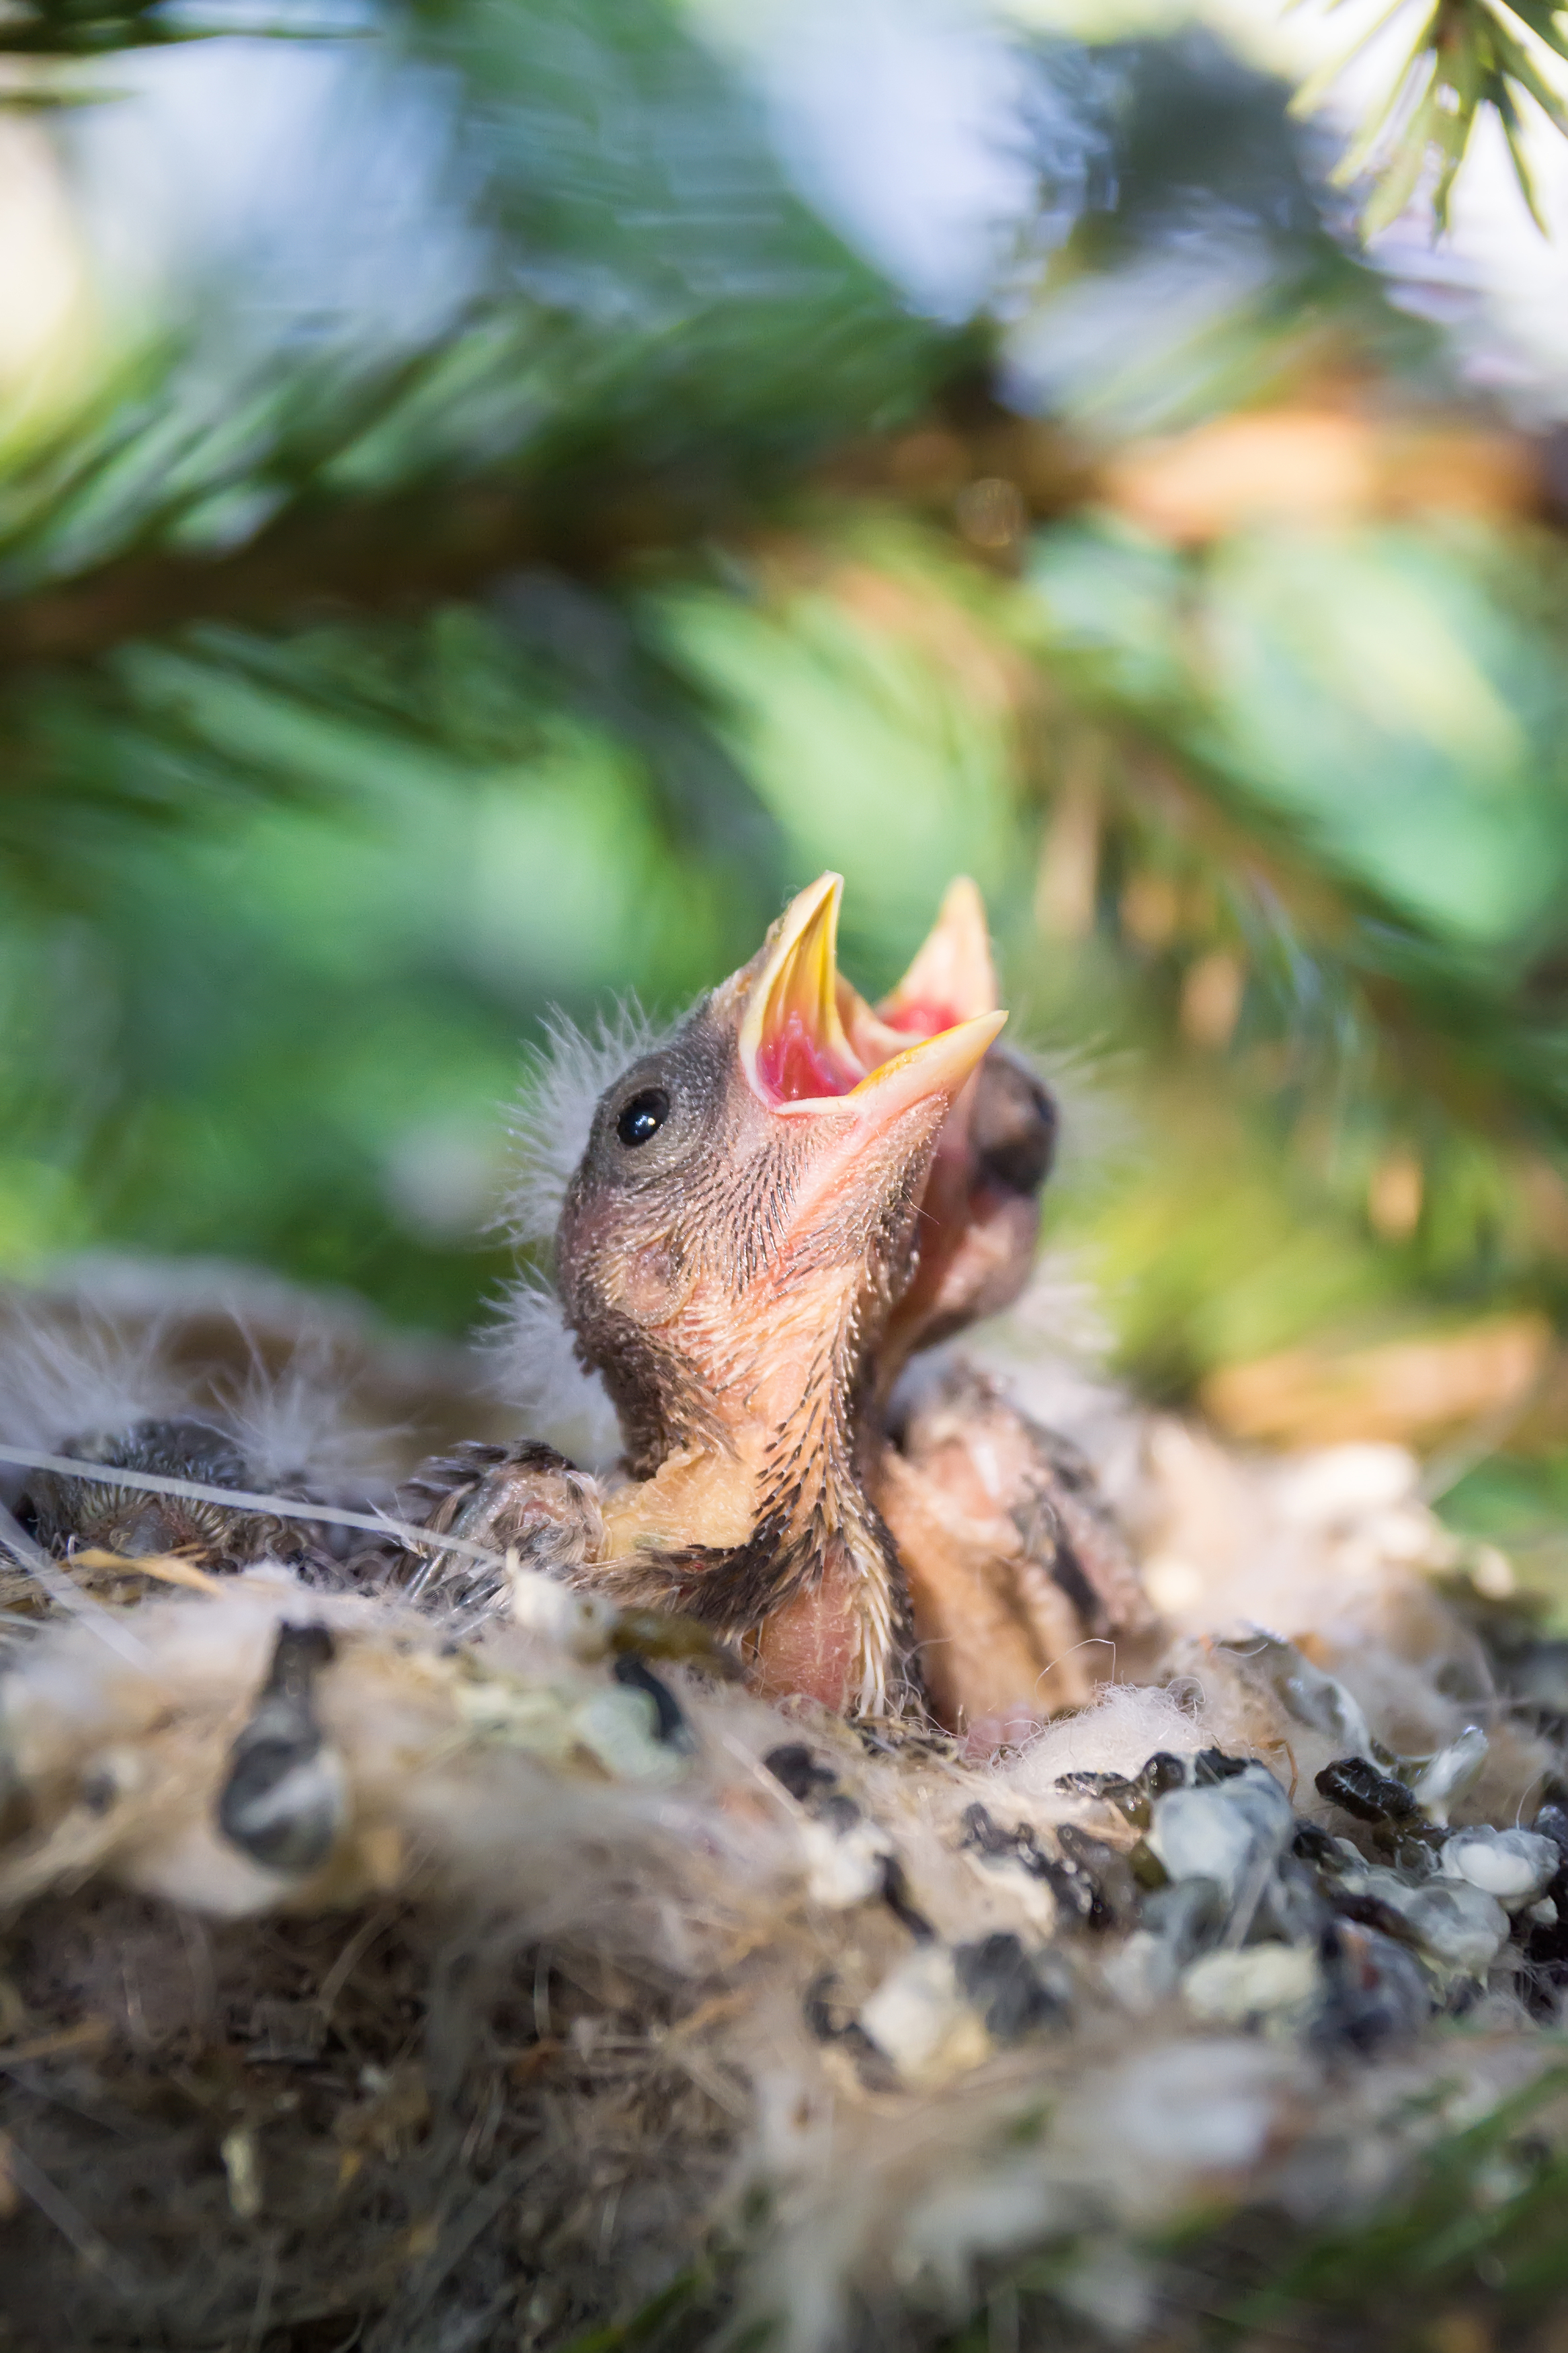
x=809, y=1646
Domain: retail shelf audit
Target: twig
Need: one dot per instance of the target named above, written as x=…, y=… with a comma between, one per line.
x=95, y=2252
x=86, y=2035
x=353, y=1953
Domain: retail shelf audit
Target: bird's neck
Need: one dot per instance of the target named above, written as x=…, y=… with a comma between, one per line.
x=759, y=1518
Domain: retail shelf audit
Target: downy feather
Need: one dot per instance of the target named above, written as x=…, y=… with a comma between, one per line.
x=534, y=1364
x=563, y=1082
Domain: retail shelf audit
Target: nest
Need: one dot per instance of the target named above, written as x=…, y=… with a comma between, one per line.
x=369, y=1979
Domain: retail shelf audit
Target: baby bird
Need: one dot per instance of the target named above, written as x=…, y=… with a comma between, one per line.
x=731, y=1248
x=730, y=1252
x=1016, y=1573
x=125, y=1396
x=980, y=1211
x=70, y=1515
x=773, y=1210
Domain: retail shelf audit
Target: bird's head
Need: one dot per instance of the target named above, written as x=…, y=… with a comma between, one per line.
x=743, y=1223
x=69, y=1515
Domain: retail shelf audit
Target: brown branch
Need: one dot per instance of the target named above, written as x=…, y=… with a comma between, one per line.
x=419, y=547
x=402, y=552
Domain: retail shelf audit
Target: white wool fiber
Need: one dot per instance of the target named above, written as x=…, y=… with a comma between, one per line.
x=1119, y=1735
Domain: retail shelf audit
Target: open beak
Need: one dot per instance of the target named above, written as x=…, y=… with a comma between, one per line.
x=800, y=1057
x=952, y=980
x=952, y=977
x=792, y=1045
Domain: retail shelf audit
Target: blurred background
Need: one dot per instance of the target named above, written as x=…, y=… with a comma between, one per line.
x=495, y=494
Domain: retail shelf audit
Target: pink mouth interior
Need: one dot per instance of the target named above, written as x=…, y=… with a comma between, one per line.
x=792, y=1067
x=921, y=1020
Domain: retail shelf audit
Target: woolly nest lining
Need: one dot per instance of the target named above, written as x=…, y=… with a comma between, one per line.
x=361, y=1985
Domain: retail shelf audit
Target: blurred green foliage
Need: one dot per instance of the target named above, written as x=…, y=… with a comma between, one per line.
x=370, y=682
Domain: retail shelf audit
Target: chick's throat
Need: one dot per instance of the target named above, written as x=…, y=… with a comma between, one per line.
x=779, y=1377
x=764, y=1530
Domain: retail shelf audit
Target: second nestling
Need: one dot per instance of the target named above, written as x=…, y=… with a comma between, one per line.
x=773, y=1210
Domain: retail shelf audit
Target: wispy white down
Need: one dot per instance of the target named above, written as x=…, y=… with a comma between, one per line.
x=291, y=1424
x=61, y=1379
x=75, y=1375
x=534, y=1367
x=533, y=1363
x=562, y=1085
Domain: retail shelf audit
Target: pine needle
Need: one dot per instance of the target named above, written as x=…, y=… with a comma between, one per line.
x=1467, y=56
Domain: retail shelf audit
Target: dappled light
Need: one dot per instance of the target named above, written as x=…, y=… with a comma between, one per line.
x=914, y=1626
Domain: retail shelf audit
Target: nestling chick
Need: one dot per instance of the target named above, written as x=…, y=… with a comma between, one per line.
x=1014, y=1568
x=731, y=1251
x=774, y=1209
x=204, y=1393
x=70, y=1515
x=980, y=1210
x=731, y=1246
x=1019, y=1577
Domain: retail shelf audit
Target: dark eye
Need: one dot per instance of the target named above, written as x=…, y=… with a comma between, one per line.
x=643, y=1116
